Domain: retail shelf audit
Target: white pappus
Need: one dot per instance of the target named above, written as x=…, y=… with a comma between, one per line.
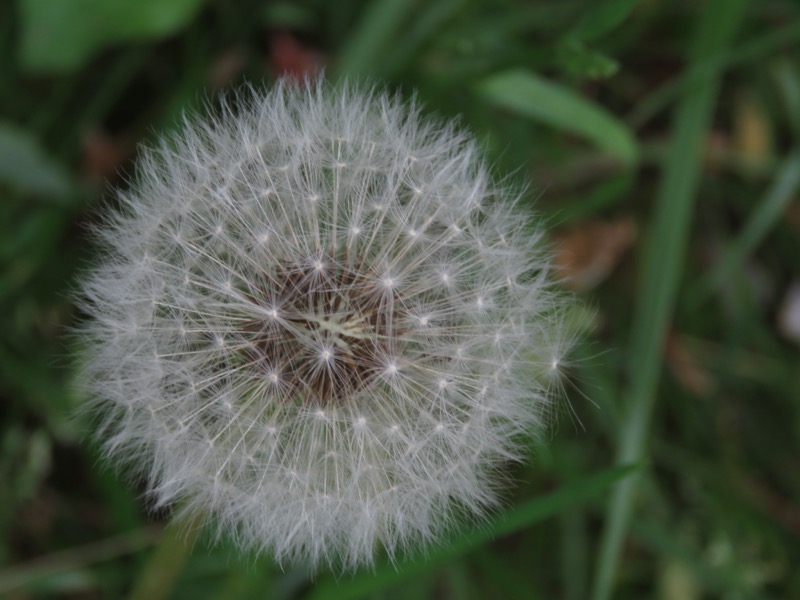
x=317, y=321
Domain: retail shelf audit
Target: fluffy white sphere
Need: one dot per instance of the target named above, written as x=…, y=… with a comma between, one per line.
x=319, y=323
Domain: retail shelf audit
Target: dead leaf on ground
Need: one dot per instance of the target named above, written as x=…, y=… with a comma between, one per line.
x=686, y=368
x=793, y=216
x=103, y=156
x=290, y=58
x=588, y=253
x=752, y=134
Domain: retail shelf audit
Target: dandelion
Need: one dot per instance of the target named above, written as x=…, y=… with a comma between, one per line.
x=319, y=323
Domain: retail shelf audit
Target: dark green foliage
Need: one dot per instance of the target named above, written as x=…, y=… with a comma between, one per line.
x=680, y=118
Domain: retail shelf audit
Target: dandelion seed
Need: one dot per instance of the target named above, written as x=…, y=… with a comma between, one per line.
x=290, y=389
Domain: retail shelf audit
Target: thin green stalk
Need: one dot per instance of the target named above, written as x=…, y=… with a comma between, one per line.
x=165, y=564
x=107, y=93
x=707, y=68
x=660, y=274
x=766, y=216
x=17, y=578
x=381, y=23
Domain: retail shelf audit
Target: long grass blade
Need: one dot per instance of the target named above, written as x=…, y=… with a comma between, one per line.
x=535, y=97
x=764, y=218
x=660, y=274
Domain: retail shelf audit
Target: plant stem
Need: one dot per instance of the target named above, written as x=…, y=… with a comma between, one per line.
x=165, y=564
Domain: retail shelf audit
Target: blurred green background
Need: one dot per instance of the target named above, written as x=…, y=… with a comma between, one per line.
x=661, y=141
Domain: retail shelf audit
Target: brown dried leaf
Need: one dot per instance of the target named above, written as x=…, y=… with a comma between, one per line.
x=752, y=134
x=103, y=155
x=686, y=368
x=288, y=57
x=587, y=253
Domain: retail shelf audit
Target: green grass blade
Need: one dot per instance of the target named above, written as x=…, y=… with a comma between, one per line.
x=710, y=68
x=532, y=96
x=75, y=559
x=520, y=517
x=787, y=79
x=166, y=562
x=660, y=274
x=425, y=26
x=381, y=21
x=765, y=217
x=601, y=18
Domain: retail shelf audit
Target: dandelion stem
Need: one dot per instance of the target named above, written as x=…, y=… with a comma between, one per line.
x=165, y=564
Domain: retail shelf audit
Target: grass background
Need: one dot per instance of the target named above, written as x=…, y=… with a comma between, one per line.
x=661, y=140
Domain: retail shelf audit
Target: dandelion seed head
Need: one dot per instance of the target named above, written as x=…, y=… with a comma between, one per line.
x=318, y=322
